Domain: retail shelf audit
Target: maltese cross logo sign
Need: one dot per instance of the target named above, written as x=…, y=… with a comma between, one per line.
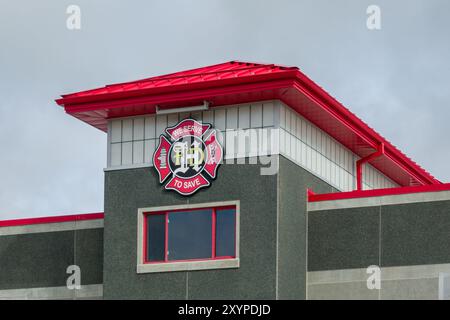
x=188, y=156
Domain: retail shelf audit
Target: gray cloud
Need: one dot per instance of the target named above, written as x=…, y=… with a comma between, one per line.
x=395, y=79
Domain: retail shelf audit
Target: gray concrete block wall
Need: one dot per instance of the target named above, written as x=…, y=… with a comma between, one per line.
x=343, y=239
x=410, y=242
x=416, y=233
x=389, y=235
x=38, y=260
x=264, y=272
x=128, y=190
x=292, y=248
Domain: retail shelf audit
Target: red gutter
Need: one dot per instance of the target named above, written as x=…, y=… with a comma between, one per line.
x=56, y=219
x=312, y=197
x=360, y=162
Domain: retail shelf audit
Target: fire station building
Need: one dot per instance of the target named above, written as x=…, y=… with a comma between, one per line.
x=237, y=181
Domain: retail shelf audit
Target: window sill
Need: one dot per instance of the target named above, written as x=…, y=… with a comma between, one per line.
x=188, y=265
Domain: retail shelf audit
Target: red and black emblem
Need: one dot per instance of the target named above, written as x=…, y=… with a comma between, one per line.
x=190, y=155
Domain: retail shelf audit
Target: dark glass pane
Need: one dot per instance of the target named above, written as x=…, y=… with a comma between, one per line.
x=225, y=232
x=190, y=235
x=156, y=231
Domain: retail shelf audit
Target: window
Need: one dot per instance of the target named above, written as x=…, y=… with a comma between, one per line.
x=196, y=235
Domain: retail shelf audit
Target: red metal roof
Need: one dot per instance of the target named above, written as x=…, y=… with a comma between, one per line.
x=228, y=70
x=240, y=82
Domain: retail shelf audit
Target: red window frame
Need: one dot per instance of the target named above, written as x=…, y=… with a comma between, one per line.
x=166, y=236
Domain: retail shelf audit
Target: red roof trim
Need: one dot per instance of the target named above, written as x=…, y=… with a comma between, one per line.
x=312, y=197
x=56, y=219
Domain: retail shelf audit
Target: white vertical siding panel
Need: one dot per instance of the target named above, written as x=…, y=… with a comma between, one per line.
x=149, y=149
x=293, y=147
x=231, y=144
x=350, y=181
x=304, y=130
x=244, y=117
x=298, y=127
x=116, y=154
x=172, y=119
x=308, y=133
x=232, y=118
x=327, y=169
x=288, y=124
x=313, y=143
x=328, y=147
x=184, y=115
x=342, y=178
x=138, y=129
x=318, y=140
x=150, y=128
x=127, y=153
x=127, y=130
x=255, y=135
x=268, y=114
x=287, y=142
x=220, y=119
x=256, y=115
x=240, y=142
x=282, y=115
x=138, y=152
x=378, y=181
x=303, y=154
x=282, y=141
x=116, y=131
x=161, y=124
x=262, y=142
x=208, y=117
x=274, y=141
x=294, y=118
x=308, y=157
x=298, y=151
x=197, y=115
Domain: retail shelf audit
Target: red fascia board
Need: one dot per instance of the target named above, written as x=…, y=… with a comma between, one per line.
x=312, y=197
x=55, y=219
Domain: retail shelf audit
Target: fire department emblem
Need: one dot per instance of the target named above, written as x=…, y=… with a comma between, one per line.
x=188, y=156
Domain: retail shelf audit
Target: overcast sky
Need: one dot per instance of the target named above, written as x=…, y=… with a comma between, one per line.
x=396, y=79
